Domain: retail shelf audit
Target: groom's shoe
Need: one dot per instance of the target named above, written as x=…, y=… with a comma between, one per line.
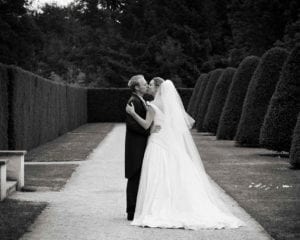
x=130, y=216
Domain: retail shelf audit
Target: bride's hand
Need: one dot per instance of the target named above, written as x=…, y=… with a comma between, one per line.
x=130, y=109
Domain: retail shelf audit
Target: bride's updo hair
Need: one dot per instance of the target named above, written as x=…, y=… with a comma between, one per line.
x=158, y=81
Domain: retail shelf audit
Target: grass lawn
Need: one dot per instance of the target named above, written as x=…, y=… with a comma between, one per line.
x=72, y=146
x=258, y=180
x=16, y=217
x=48, y=177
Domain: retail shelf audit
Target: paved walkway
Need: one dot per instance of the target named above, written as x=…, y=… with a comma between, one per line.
x=92, y=205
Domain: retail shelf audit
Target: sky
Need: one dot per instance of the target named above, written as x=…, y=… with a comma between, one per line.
x=37, y=3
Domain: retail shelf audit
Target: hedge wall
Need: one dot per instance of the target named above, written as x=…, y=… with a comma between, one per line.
x=234, y=102
x=41, y=110
x=108, y=104
x=76, y=106
x=260, y=90
x=213, y=78
x=200, y=95
x=281, y=117
x=217, y=101
x=192, y=102
x=295, y=148
x=3, y=107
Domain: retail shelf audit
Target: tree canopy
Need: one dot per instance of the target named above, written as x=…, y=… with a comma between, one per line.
x=102, y=43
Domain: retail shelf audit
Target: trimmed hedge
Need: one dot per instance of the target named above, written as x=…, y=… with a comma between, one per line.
x=234, y=102
x=260, y=90
x=280, y=120
x=3, y=107
x=108, y=104
x=295, y=148
x=42, y=110
x=217, y=101
x=213, y=78
x=199, y=96
x=192, y=102
x=76, y=106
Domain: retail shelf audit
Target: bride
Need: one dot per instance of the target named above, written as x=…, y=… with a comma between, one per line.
x=174, y=190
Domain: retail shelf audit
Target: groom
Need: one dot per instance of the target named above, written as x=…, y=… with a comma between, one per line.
x=135, y=141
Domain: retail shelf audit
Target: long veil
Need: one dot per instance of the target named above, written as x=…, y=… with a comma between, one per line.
x=177, y=125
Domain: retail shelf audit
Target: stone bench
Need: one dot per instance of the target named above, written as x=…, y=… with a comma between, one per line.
x=11, y=171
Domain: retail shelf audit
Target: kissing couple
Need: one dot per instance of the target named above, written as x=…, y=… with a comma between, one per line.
x=167, y=184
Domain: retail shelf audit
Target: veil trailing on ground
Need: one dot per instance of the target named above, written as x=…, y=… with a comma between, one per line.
x=176, y=127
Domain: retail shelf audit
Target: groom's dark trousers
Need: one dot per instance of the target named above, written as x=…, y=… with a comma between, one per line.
x=135, y=145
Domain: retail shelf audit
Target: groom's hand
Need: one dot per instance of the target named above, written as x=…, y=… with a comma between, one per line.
x=155, y=129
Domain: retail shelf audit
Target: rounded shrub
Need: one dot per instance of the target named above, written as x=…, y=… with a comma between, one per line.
x=234, y=102
x=281, y=117
x=260, y=90
x=217, y=101
x=213, y=78
x=193, y=100
x=194, y=94
x=295, y=148
x=200, y=96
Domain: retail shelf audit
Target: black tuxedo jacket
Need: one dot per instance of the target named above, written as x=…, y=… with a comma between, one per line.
x=136, y=138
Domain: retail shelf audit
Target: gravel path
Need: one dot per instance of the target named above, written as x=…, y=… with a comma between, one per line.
x=92, y=205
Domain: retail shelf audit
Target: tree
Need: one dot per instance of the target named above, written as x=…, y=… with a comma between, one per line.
x=281, y=117
x=20, y=38
x=152, y=27
x=251, y=20
x=234, y=102
x=217, y=101
x=74, y=45
x=260, y=90
x=292, y=35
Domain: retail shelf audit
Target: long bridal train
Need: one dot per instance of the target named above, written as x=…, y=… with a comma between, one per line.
x=174, y=190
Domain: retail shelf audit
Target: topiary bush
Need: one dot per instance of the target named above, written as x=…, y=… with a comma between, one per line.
x=3, y=107
x=213, y=78
x=200, y=96
x=281, y=117
x=193, y=100
x=194, y=94
x=295, y=147
x=234, y=102
x=217, y=101
x=260, y=90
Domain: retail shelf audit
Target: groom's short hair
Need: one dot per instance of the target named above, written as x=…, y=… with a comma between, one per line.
x=134, y=81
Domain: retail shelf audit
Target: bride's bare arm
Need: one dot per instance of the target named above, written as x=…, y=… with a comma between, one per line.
x=145, y=123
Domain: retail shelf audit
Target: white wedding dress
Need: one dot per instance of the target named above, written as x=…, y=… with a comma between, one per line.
x=174, y=190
